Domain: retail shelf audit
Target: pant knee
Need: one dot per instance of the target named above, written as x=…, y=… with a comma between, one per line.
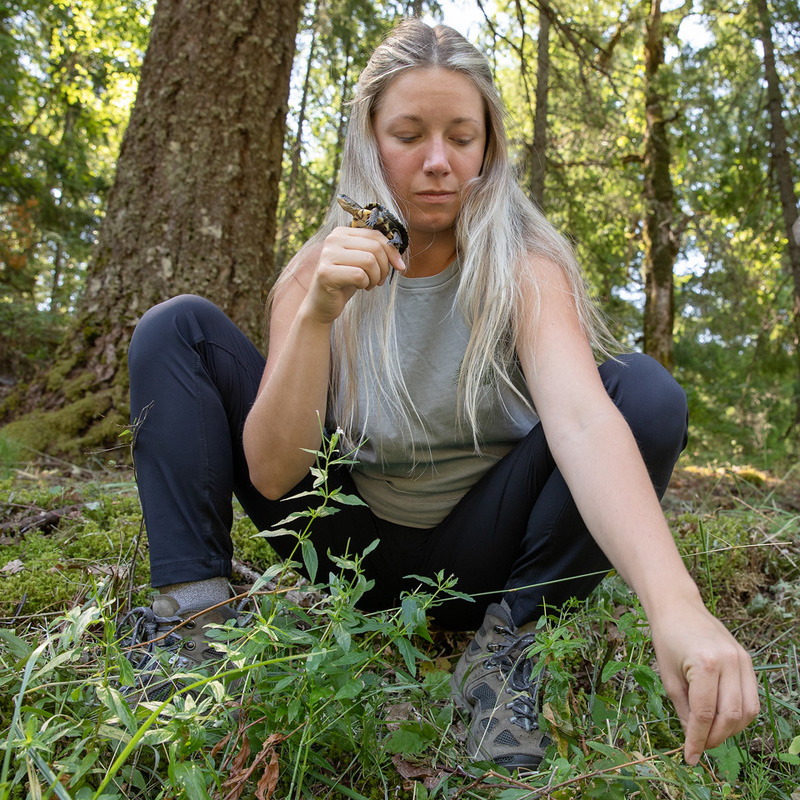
x=162, y=324
x=652, y=402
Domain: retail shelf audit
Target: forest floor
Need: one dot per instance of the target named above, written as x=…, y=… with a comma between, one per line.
x=331, y=702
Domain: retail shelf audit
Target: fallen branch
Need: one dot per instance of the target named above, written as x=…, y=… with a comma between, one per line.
x=44, y=520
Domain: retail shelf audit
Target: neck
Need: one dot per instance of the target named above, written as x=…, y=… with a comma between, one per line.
x=430, y=258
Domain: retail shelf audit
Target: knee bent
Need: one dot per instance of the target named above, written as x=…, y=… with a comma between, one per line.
x=650, y=399
x=163, y=322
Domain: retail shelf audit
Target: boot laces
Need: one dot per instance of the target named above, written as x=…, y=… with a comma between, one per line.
x=517, y=672
x=147, y=631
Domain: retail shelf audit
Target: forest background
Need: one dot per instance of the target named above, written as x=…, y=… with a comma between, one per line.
x=662, y=138
x=154, y=148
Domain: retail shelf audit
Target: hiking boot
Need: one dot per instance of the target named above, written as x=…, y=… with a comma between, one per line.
x=493, y=681
x=166, y=627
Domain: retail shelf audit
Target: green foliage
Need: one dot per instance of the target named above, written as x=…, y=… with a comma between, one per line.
x=98, y=532
x=735, y=342
x=335, y=700
x=30, y=338
x=67, y=79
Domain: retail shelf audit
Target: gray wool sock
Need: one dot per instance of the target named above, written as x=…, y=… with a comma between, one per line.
x=198, y=594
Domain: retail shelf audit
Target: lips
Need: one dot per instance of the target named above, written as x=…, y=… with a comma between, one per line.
x=436, y=196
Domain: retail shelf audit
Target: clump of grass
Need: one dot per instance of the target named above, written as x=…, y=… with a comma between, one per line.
x=338, y=703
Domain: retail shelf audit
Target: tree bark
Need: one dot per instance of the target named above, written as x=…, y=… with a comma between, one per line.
x=341, y=129
x=193, y=205
x=782, y=164
x=297, y=153
x=661, y=240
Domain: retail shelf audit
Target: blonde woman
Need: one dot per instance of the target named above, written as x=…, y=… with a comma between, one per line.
x=491, y=446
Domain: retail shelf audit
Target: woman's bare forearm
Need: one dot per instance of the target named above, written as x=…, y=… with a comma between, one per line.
x=289, y=409
x=609, y=481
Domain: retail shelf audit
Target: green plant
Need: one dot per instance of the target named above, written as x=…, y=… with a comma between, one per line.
x=335, y=702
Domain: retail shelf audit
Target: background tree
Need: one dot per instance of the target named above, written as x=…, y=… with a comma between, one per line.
x=334, y=44
x=67, y=77
x=732, y=333
x=735, y=349
x=192, y=207
x=735, y=342
x=660, y=233
x=539, y=143
x=783, y=171
x=589, y=170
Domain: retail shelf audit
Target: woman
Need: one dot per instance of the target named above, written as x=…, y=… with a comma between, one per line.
x=491, y=446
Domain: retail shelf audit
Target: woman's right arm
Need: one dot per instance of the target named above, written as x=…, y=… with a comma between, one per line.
x=292, y=396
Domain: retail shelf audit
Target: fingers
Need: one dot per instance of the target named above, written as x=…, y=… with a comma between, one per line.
x=709, y=677
x=703, y=690
x=358, y=256
x=722, y=700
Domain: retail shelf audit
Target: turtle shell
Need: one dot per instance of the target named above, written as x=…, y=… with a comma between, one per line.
x=377, y=217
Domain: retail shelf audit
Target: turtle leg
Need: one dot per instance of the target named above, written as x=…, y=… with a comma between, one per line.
x=374, y=215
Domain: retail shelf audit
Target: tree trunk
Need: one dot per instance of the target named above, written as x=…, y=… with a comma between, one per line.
x=343, y=116
x=539, y=154
x=660, y=238
x=782, y=164
x=297, y=153
x=194, y=202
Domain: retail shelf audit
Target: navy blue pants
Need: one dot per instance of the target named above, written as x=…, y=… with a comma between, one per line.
x=517, y=533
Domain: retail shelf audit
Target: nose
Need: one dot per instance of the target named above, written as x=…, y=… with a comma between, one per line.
x=436, y=160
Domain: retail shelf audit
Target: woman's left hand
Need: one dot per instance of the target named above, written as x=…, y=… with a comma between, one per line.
x=707, y=674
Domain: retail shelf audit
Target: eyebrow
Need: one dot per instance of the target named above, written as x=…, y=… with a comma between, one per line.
x=416, y=118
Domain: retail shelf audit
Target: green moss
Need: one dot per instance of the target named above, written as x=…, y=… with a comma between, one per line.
x=753, y=476
x=91, y=331
x=57, y=374
x=11, y=402
x=91, y=548
x=65, y=431
x=11, y=455
x=79, y=386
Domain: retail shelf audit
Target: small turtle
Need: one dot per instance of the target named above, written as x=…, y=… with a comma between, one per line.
x=377, y=217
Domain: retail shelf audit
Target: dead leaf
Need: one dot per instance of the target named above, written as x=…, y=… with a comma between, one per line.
x=238, y=777
x=13, y=567
x=237, y=773
x=429, y=776
x=269, y=780
x=399, y=712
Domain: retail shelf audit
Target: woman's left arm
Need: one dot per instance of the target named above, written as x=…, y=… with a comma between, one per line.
x=706, y=673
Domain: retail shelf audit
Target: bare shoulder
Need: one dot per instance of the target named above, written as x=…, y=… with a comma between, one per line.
x=547, y=272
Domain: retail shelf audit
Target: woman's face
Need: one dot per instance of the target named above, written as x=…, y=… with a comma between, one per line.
x=430, y=126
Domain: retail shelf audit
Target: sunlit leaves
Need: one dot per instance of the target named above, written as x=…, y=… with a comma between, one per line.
x=68, y=72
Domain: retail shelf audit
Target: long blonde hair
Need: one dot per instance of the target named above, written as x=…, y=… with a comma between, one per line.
x=497, y=232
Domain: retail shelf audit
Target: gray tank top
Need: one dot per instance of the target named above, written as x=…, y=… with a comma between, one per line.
x=432, y=337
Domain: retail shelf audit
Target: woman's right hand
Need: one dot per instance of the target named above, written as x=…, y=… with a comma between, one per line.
x=350, y=259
